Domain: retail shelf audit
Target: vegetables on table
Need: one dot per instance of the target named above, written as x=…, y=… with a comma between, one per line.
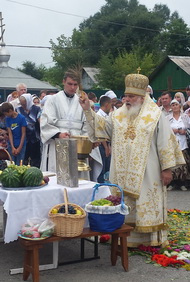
x=32, y=177
x=10, y=178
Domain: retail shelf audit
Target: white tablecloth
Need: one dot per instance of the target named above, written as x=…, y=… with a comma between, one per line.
x=24, y=204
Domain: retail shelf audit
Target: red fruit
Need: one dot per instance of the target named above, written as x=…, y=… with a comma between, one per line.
x=104, y=238
x=46, y=179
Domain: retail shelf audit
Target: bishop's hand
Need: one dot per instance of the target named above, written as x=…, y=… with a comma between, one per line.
x=84, y=101
x=166, y=176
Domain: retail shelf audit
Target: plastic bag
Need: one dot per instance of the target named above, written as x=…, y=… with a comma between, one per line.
x=46, y=228
x=37, y=228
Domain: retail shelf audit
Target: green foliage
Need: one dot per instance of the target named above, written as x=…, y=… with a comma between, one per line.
x=66, y=53
x=118, y=39
x=114, y=70
x=30, y=68
x=175, y=39
x=54, y=76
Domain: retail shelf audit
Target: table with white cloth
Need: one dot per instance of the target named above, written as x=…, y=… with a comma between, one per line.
x=20, y=205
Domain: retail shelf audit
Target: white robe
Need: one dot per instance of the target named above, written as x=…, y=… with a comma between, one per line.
x=63, y=114
x=148, y=208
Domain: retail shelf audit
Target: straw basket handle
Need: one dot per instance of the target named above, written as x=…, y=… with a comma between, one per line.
x=9, y=156
x=66, y=200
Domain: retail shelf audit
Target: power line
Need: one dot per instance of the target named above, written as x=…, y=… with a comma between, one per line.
x=46, y=9
x=79, y=16
x=28, y=46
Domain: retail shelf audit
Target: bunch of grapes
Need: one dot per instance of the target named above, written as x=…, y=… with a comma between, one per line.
x=3, y=164
x=101, y=202
x=21, y=169
x=71, y=209
x=116, y=200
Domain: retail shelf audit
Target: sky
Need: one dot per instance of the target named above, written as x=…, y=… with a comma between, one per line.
x=35, y=22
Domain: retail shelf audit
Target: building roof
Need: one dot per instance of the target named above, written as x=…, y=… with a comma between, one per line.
x=181, y=61
x=92, y=72
x=10, y=77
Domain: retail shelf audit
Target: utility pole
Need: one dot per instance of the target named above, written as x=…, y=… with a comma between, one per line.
x=2, y=30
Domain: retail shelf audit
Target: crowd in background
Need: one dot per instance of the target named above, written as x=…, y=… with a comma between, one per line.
x=20, y=118
x=28, y=151
x=177, y=112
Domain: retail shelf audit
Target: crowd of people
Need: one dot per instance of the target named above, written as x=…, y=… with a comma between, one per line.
x=20, y=126
x=30, y=139
x=144, y=146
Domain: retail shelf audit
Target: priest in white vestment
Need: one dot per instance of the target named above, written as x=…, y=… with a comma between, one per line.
x=62, y=117
x=144, y=149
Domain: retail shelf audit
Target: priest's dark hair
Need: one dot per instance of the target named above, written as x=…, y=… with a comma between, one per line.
x=74, y=74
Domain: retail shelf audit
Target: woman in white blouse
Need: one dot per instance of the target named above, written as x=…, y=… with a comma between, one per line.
x=179, y=122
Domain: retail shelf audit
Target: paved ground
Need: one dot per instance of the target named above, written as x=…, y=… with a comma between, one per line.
x=11, y=256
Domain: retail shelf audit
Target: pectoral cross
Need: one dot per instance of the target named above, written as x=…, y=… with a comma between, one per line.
x=130, y=133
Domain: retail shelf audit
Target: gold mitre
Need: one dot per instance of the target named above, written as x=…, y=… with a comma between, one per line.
x=136, y=84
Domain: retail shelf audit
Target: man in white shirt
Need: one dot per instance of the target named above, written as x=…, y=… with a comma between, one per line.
x=113, y=98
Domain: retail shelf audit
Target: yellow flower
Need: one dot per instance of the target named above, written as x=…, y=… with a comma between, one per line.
x=186, y=266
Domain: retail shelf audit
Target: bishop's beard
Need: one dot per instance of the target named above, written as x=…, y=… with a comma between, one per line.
x=133, y=111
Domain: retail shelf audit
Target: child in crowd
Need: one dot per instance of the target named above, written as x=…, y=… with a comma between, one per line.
x=16, y=125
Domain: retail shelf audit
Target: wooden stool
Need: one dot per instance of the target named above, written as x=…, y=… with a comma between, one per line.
x=31, y=249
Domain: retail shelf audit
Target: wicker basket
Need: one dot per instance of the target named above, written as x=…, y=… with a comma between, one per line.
x=4, y=155
x=67, y=225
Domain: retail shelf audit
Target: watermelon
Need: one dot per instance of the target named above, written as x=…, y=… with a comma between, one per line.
x=32, y=177
x=10, y=178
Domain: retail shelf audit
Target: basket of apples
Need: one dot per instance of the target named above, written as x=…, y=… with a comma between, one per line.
x=108, y=214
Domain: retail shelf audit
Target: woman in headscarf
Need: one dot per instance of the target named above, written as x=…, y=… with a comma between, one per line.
x=32, y=114
x=36, y=101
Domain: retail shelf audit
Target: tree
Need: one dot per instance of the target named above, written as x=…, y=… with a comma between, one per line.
x=54, y=76
x=68, y=52
x=114, y=70
x=30, y=68
x=175, y=39
x=122, y=31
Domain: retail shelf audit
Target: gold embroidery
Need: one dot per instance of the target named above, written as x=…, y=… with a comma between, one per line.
x=171, y=149
x=101, y=124
x=133, y=131
x=120, y=117
x=147, y=119
x=130, y=132
x=152, y=243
